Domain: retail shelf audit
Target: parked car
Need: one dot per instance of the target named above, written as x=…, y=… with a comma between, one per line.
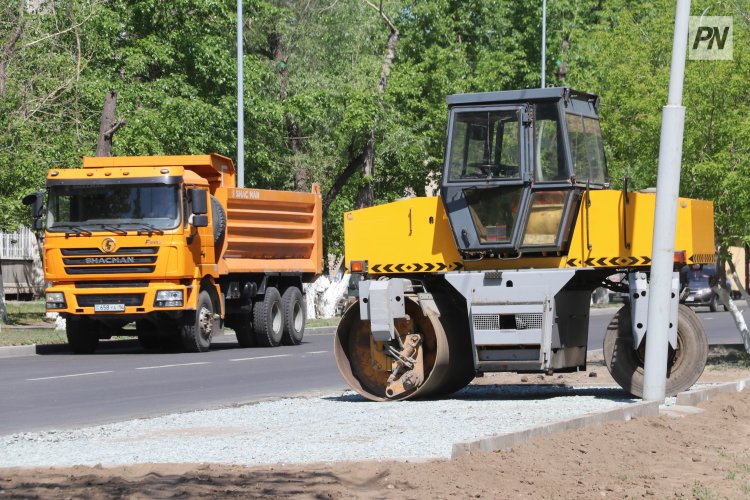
x=697, y=290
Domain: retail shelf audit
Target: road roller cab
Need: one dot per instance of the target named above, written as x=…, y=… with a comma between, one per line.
x=516, y=164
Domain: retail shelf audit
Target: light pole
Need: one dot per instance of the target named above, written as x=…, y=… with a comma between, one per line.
x=544, y=40
x=665, y=220
x=240, y=104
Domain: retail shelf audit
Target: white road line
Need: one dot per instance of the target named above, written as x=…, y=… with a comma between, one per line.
x=170, y=366
x=261, y=357
x=316, y=352
x=72, y=375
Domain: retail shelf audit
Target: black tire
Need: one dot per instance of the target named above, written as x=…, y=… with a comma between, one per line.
x=83, y=335
x=268, y=321
x=199, y=325
x=714, y=304
x=684, y=366
x=243, y=329
x=295, y=315
x=218, y=219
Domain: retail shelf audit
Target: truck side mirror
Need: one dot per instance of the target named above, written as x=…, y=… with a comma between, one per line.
x=198, y=201
x=36, y=200
x=199, y=220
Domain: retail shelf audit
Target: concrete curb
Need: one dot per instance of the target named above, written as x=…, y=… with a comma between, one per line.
x=623, y=414
x=509, y=440
x=695, y=396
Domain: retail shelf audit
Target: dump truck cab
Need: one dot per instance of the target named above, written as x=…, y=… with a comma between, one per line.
x=516, y=164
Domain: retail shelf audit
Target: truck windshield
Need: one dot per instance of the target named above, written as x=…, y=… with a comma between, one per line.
x=118, y=206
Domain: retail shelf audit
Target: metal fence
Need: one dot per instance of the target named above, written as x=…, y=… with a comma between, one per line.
x=18, y=245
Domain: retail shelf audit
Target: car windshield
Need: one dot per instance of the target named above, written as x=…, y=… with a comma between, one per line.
x=112, y=207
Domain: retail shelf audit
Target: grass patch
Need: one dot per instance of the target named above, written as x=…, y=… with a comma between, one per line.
x=25, y=312
x=723, y=358
x=312, y=323
x=28, y=336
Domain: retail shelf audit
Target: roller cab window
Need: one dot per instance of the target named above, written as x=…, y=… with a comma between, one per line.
x=485, y=144
x=586, y=148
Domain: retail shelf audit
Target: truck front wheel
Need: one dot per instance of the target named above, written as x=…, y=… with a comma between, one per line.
x=267, y=319
x=83, y=335
x=199, y=325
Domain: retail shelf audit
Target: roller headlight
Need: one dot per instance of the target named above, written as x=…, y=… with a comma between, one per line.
x=168, y=298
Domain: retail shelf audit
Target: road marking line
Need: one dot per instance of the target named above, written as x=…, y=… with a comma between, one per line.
x=261, y=357
x=316, y=352
x=66, y=376
x=170, y=366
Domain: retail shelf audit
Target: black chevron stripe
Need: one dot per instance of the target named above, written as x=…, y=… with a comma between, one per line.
x=375, y=268
x=400, y=268
x=417, y=267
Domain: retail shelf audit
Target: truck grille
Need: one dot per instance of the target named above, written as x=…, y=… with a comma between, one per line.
x=129, y=299
x=126, y=260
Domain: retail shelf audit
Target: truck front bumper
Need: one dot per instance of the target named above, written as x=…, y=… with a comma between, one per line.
x=111, y=299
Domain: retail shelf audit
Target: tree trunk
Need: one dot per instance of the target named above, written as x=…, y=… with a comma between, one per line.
x=108, y=125
x=739, y=320
x=294, y=140
x=366, y=195
x=737, y=281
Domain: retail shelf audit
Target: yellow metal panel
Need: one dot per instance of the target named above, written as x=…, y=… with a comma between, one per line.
x=405, y=236
x=399, y=237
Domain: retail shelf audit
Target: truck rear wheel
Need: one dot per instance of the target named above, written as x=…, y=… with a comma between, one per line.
x=684, y=364
x=199, y=325
x=295, y=313
x=83, y=335
x=268, y=320
x=242, y=325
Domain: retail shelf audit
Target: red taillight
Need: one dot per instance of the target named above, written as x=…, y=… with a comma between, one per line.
x=358, y=266
x=679, y=257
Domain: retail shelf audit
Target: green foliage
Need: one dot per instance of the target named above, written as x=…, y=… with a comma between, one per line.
x=311, y=88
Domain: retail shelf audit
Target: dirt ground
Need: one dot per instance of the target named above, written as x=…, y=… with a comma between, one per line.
x=706, y=455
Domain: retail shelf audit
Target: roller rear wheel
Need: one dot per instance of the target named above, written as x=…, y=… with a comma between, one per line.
x=684, y=364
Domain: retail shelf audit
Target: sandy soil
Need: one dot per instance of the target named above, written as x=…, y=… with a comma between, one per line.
x=706, y=455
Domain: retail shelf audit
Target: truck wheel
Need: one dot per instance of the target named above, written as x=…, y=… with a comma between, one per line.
x=199, y=325
x=83, y=335
x=268, y=322
x=295, y=314
x=218, y=219
x=684, y=364
x=243, y=329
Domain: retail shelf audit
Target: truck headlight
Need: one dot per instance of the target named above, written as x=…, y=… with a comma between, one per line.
x=55, y=300
x=168, y=298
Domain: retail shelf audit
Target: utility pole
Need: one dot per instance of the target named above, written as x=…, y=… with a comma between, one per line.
x=665, y=220
x=240, y=103
x=544, y=41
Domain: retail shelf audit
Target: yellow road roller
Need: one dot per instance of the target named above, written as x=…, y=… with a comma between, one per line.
x=496, y=273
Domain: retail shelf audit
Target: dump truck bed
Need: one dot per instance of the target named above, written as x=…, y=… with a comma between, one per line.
x=272, y=231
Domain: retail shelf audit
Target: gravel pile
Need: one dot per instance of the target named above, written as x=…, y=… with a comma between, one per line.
x=318, y=429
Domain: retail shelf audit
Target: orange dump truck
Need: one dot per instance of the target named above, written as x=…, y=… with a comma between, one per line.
x=169, y=243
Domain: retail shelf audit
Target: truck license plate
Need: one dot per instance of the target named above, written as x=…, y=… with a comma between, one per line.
x=109, y=307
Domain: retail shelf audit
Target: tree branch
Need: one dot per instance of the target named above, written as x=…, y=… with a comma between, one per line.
x=342, y=179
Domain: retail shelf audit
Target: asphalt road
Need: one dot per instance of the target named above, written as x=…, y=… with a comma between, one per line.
x=62, y=390
x=58, y=391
